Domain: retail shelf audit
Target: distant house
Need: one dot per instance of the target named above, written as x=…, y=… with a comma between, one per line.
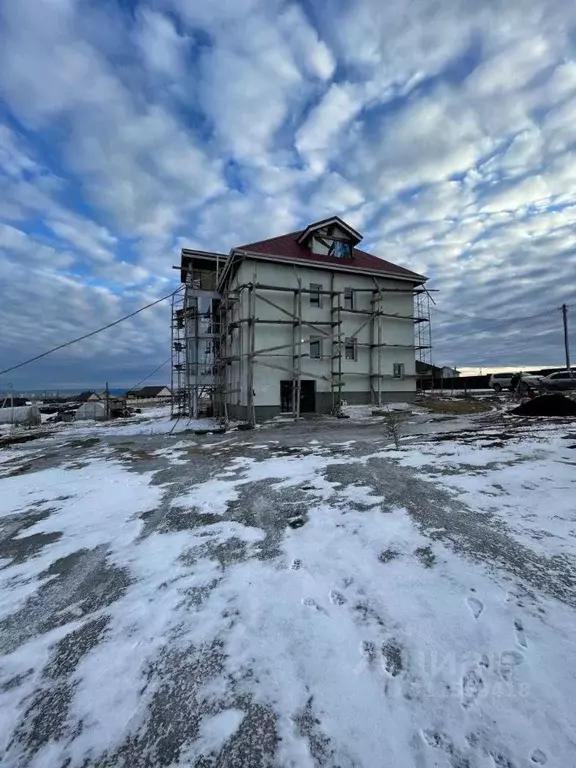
x=87, y=397
x=149, y=393
x=427, y=371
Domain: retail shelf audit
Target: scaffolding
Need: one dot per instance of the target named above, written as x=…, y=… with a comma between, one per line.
x=195, y=335
x=179, y=382
x=214, y=337
x=423, y=336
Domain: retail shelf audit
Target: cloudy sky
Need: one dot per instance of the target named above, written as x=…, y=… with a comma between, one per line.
x=444, y=130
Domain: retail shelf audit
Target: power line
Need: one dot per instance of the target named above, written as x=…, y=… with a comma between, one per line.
x=150, y=374
x=88, y=335
x=460, y=316
x=509, y=321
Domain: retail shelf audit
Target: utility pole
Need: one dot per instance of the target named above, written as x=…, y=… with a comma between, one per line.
x=566, y=342
x=107, y=402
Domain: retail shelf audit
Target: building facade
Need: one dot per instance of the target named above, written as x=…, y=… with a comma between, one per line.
x=297, y=324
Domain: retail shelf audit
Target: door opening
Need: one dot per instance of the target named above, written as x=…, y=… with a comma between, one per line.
x=307, y=396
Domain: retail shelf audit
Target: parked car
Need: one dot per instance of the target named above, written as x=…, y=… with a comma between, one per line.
x=559, y=381
x=500, y=381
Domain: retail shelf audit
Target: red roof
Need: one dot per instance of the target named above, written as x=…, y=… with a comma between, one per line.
x=287, y=246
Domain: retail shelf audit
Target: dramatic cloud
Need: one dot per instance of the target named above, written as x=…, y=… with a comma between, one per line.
x=443, y=130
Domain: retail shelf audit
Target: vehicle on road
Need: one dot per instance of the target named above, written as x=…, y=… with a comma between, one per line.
x=560, y=381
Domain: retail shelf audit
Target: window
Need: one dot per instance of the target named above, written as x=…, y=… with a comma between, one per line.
x=398, y=370
x=341, y=249
x=351, y=349
x=315, y=295
x=348, y=298
x=315, y=347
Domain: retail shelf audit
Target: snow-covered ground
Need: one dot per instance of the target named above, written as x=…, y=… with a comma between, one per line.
x=152, y=421
x=289, y=599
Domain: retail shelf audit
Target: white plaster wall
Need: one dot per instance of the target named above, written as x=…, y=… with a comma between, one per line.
x=267, y=379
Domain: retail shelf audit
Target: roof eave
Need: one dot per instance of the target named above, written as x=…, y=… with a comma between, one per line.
x=410, y=277
x=191, y=253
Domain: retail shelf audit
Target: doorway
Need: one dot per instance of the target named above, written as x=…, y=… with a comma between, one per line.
x=307, y=396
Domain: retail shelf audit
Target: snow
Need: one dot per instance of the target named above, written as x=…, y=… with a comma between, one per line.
x=215, y=731
x=370, y=641
x=154, y=421
x=366, y=412
x=95, y=505
x=529, y=484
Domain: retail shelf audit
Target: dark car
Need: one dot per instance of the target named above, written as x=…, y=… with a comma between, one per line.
x=559, y=381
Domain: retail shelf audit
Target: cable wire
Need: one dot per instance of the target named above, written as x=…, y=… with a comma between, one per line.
x=92, y=333
x=509, y=321
x=149, y=375
x=460, y=316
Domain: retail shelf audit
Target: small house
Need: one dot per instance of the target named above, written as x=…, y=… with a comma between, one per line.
x=87, y=397
x=150, y=393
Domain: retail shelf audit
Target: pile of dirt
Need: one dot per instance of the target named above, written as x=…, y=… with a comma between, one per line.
x=454, y=406
x=547, y=405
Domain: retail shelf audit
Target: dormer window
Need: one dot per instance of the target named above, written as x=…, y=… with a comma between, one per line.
x=330, y=245
x=331, y=237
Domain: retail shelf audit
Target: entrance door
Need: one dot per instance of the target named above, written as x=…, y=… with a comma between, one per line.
x=307, y=396
x=286, y=396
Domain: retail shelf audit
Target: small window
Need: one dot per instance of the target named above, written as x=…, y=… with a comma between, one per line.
x=315, y=295
x=348, y=298
x=315, y=347
x=351, y=349
x=341, y=249
x=398, y=370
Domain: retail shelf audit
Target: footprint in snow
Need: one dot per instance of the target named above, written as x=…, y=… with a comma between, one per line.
x=368, y=650
x=476, y=607
x=509, y=660
x=520, y=634
x=309, y=602
x=295, y=564
x=472, y=686
x=336, y=598
x=484, y=661
x=392, y=656
x=539, y=757
x=501, y=760
x=439, y=740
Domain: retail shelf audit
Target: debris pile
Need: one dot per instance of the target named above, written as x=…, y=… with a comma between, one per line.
x=547, y=405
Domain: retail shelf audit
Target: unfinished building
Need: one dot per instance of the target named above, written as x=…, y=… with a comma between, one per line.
x=297, y=324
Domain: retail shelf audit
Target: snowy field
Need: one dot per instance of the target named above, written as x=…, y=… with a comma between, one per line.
x=301, y=595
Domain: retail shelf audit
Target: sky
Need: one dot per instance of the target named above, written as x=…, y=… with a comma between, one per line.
x=443, y=130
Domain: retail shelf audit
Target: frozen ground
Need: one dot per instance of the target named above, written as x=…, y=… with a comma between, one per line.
x=301, y=595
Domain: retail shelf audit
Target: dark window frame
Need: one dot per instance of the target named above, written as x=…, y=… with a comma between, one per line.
x=402, y=370
x=316, y=340
x=348, y=298
x=351, y=345
x=316, y=295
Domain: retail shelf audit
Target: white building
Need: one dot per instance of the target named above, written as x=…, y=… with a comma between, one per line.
x=296, y=323
x=450, y=373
